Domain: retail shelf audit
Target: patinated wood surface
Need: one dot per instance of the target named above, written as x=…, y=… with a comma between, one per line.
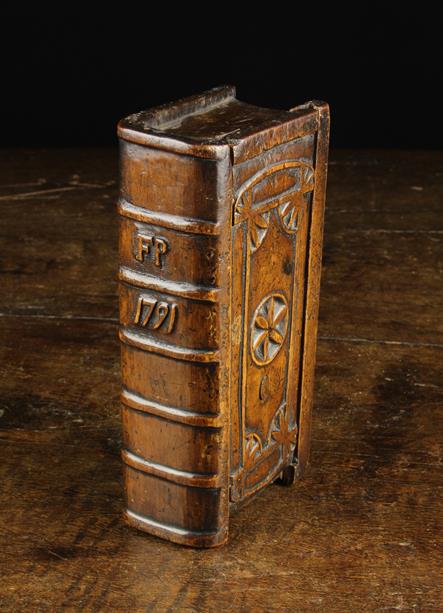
x=361, y=532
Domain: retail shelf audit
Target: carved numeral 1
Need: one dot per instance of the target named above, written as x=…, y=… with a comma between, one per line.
x=151, y=245
x=156, y=315
x=172, y=318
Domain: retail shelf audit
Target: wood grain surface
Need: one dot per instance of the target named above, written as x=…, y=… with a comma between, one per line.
x=361, y=531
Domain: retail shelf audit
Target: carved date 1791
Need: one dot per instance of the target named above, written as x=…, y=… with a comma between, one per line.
x=155, y=314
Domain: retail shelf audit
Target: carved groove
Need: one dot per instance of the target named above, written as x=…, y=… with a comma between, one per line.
x=173, y=351
x=167, y=220
x=183, y=416
x=183, y=477
x=175, y=288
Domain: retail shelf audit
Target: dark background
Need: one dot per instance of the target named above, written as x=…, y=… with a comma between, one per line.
x=67, y=79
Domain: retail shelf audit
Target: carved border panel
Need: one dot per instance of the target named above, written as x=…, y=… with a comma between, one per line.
x=271, y=206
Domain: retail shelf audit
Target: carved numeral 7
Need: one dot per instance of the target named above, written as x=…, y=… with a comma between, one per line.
x=142, y=302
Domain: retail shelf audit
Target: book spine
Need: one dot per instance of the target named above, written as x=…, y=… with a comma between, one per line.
x=174, y=313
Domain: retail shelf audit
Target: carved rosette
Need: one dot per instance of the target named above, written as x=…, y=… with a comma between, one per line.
x=268, y=328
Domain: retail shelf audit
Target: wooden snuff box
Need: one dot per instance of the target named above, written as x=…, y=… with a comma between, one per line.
x=221, y=211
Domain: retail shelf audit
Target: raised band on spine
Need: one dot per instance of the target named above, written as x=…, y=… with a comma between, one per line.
x=167, y=220
x=175, y=288
x=183, y=477
x=172, y=351
x=183, y=416
x=193, y=538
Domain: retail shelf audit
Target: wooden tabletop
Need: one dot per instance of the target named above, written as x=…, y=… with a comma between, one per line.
x=362, y=531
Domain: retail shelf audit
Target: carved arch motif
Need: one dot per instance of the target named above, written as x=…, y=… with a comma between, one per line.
x=286, y=185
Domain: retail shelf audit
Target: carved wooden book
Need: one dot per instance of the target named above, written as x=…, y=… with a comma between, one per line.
x=220, y=253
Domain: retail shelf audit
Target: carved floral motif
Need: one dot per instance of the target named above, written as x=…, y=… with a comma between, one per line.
x=289, y=184
x=258, y=229
x=283, y=435
x=269, y=327
x=289, y=211
x=280, y=432
x=253, y=449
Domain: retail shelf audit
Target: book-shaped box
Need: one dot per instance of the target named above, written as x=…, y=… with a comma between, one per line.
x=221, y=209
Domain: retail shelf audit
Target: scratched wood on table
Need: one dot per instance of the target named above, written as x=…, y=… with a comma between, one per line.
x=361, y=531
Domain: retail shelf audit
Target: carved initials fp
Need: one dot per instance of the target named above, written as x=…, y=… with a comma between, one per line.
x=151, y=245
x=155, y=314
